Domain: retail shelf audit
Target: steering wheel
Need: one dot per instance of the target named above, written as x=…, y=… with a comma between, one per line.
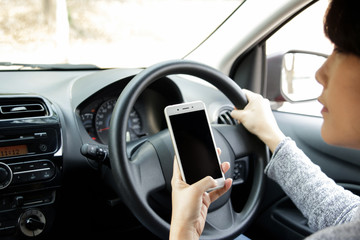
x=141, y=171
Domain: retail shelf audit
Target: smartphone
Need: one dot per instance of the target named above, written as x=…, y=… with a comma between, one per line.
x=193, y=142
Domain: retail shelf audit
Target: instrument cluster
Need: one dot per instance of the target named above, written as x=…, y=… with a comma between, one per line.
x=146, y=118
x=96, y=118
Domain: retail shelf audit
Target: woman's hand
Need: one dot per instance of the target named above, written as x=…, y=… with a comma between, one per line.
x=258, y=119
x=190, y=203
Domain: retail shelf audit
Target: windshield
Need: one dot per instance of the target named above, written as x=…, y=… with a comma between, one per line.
x=106, y=33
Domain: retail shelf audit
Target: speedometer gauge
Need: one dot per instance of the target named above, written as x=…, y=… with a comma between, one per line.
x=102, y=122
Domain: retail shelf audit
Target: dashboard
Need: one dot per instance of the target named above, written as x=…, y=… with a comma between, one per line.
x=47, y=117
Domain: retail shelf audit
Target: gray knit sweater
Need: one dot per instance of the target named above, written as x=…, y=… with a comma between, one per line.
x=325, y=204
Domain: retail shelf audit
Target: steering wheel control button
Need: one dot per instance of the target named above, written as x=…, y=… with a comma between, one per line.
x=240, y=170
x=32, y=222
x=6, y=175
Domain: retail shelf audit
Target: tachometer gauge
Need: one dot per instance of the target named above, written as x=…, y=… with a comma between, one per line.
x=102, y=122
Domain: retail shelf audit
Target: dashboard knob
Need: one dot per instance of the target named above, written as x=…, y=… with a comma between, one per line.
x=5, y=175
x=32, y=222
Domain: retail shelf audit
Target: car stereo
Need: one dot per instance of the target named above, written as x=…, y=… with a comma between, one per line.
x=21, y=155
x=30, y=164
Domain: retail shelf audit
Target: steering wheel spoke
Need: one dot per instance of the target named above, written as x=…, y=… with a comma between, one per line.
x=146, y=169
x=219, y=221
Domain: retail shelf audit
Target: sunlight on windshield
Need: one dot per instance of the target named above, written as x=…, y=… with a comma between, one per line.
x=107, y=33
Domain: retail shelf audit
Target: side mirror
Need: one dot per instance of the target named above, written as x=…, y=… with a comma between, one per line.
x=291, y=76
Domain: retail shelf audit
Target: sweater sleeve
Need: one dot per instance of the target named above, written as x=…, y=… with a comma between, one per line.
x=319, y=198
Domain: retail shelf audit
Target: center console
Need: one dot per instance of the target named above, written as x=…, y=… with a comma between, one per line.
x=30, y=165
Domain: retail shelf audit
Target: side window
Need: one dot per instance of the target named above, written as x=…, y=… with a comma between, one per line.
x=294, y=53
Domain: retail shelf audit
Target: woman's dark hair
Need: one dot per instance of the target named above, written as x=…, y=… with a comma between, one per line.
x=342, y=25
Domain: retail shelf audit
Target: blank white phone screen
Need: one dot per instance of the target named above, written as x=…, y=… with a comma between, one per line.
x=195, y=146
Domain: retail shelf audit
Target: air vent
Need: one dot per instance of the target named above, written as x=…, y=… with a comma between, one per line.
x=225, y=118
x=22, y=108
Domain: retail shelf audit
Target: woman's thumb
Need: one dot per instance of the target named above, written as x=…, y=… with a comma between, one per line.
x=205, y=184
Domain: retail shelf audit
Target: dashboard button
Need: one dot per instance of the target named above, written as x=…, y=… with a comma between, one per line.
x=40, y=135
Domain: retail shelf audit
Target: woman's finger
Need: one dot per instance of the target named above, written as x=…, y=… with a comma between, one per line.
x=205, y=184
x=219, y=192
x=218, y=151
x=225, y=166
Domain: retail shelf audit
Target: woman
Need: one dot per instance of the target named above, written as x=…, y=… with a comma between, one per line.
x=326, y=205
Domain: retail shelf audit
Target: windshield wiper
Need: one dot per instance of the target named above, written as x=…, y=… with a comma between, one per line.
x=50, y=66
